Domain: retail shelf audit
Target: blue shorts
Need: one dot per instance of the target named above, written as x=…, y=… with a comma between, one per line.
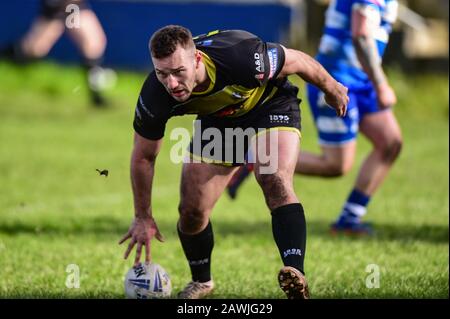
x=334, y=130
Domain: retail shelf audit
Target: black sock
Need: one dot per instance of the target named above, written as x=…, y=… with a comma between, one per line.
x=15, y=53
x=197, y=249
x=289, y=232
x=93, y=70
x=90, y=63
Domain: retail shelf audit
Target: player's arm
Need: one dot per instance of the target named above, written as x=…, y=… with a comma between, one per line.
x=297, y=62
x=143, y=227
x=142, y=169
x=149, y=126
x=364, y=22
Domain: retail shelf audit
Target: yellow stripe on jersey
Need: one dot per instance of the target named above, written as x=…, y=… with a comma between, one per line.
x=211, y=70
x=204, y=104
x=212, y=33
x=205, y=35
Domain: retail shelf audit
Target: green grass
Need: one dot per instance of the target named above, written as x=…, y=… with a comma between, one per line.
x=56, y=210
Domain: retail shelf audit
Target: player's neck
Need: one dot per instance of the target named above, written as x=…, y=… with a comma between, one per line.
x=202, y=80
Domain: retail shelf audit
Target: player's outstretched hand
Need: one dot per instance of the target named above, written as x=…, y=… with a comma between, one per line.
x=338, y=99
x=141, y=232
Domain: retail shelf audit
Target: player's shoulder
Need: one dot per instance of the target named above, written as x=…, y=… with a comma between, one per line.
x=153, y=109
x=231, y=47
x=225, y=40
x=153, y=89
x=242, y=57
x=232, y=34
x=154, y=97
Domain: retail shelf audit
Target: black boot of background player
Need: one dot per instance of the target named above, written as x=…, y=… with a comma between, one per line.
x=14, y=53
x=7, y=52
x=97, y=98
x=94, y=73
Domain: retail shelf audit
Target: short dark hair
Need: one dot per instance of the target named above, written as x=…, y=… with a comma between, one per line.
x=164, y=42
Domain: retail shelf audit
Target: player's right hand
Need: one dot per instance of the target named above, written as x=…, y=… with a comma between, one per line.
x=141, y=232
x=338, y=99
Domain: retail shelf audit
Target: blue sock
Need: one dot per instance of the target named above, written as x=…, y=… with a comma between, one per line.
x=354, y=208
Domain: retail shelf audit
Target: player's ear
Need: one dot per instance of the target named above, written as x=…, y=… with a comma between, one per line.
x=198, y=58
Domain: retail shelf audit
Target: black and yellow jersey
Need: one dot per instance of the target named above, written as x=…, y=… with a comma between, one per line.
x=242, y=70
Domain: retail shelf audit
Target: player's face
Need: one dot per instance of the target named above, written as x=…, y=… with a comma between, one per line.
x=177, y=73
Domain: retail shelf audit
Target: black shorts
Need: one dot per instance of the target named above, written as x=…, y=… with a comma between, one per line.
x=56, y=9
x=225, y=141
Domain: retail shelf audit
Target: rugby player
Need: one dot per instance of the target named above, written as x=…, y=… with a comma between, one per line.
x=355, y=37
x=232, y=79
x=49, y=26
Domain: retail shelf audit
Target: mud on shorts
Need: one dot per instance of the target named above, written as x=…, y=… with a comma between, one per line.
x=225, y=141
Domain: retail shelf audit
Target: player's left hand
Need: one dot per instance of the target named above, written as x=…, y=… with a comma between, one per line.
x=141, y=232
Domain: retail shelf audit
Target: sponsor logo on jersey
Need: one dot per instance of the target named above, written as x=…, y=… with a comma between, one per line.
x=259, y=76
x=259, y=62
x=275, y=118
x=227, y=111
x=273, y=61
x=138, y=114
x=205, y=43
x=142, y=104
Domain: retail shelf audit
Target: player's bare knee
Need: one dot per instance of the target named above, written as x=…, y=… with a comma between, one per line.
x=337, y=169
x=396, y=148
x=275, y=187
x=35, y=51
x=97, y=48
x=391, y=150
x=191, y=219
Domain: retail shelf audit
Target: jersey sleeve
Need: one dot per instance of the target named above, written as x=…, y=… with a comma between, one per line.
x=152, y=110
x=258, y=62
x=275, y=60
x=249, y=61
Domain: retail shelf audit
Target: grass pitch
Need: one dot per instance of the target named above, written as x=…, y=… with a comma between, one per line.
x=56, y=210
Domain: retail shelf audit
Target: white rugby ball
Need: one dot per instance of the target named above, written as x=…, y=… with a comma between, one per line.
x=147, y=281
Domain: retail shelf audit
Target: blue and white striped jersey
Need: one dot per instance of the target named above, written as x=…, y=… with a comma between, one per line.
x=336, y=51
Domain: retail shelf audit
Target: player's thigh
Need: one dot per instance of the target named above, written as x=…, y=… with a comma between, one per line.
x=202, y=184
x=381, y=128
x=42, y=36
x=276, y=152
x=340, y=157
x=276, y=158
